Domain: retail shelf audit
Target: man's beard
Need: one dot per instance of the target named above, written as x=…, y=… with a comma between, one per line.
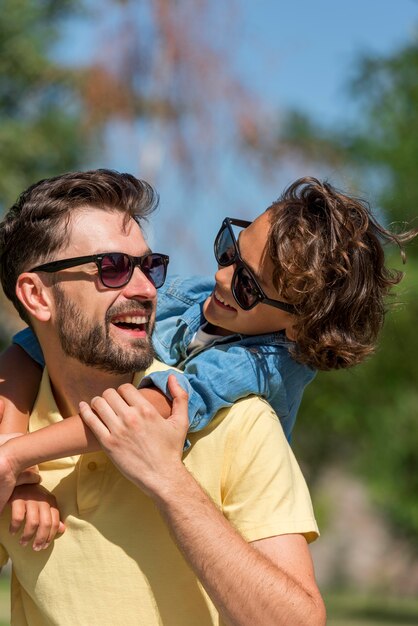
x=92, y=345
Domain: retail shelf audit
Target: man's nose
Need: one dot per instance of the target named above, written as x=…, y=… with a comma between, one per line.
x=140, y=286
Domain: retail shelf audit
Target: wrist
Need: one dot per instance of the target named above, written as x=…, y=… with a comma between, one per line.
x=175, y=488
x=168, y=484
x=9, y=464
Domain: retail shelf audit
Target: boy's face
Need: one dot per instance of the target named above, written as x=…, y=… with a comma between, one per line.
x=221, y=309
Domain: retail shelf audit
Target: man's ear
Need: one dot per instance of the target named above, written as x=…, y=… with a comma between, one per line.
x=34, y=295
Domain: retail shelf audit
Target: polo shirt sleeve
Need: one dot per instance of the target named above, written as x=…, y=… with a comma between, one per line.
x=264, y=492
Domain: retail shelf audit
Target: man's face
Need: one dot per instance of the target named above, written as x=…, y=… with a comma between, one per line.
x=109, y=329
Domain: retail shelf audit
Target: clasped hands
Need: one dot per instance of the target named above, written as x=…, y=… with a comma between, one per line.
x=145, y=447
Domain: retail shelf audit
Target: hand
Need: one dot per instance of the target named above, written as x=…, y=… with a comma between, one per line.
x=8, y=478
x=36, y=509
x=145, y=447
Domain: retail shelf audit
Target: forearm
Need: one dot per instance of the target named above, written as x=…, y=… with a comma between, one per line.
x=66, y=438
x=246, y=587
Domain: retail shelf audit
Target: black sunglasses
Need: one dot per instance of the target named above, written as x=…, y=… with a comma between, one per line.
x=245, y=287
x=116, y=268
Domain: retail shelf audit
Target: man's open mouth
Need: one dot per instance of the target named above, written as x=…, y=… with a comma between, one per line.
x=131, y=322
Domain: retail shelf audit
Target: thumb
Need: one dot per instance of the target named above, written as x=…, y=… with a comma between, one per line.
x=1, y=410
x=180, y=401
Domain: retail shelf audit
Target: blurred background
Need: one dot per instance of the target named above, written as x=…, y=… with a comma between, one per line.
x=221, y=105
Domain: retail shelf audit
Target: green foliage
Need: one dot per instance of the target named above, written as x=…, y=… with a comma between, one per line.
x=40, y=134
x=381, y=150
x=389, y=89
x=368, y=417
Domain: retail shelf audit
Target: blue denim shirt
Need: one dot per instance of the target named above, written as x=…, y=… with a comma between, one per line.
x=229, y=369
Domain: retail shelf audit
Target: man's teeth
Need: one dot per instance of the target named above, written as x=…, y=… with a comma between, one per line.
x=131, y=319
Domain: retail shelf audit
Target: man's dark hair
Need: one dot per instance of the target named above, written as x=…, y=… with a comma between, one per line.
x=38, y=224
x=328, y=257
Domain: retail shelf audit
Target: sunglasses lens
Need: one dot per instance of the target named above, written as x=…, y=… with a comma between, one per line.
x=154, y=266
x=225, y=251
x=245, y=290
x=115, y=270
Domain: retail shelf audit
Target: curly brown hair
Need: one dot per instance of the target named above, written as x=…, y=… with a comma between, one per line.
x=328, y=256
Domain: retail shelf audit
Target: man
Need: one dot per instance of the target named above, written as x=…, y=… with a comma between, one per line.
x=119, y=560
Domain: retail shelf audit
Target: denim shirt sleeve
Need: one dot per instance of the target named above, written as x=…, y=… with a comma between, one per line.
x=218, y=377
x=27, y=340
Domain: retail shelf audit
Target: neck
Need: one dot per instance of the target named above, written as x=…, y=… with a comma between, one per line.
x=71, y=382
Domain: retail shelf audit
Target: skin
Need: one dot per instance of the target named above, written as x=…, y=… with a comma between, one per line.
x=268, y=582
x=94, y=300
x=221, y=310
x=225, y=316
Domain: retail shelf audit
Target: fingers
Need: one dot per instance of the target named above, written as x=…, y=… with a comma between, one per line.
x=39, y=518
x=179, y=395
x=116, y=400
x=132, y=396
x=180, y=402
x=94, y=420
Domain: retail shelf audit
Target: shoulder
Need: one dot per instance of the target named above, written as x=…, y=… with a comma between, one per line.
x=190, y=289
x=242, y=428
x=244, y=459
x=156, y=366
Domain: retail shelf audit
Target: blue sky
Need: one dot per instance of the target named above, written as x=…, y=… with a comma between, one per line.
x=293, y=54
x=314, y=45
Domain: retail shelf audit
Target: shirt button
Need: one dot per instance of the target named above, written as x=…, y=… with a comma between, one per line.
x=92, y=466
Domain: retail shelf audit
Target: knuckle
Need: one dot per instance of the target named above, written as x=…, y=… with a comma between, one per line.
x=54, y=526
x=147, y=411
x=17, y=517
x=131, y=417
x=31, y=526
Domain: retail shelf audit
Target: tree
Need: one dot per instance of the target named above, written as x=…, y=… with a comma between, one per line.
x=367, y=417
x=156, y=70
x=379, y=149
x=40, y=134
x=163, y=70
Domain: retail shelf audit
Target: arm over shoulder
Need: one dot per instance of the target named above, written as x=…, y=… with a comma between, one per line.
x=219, y=376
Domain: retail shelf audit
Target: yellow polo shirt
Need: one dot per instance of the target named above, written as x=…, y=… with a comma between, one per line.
x=116, y=564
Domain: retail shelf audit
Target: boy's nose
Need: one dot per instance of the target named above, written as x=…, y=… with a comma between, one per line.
x=224, y=276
